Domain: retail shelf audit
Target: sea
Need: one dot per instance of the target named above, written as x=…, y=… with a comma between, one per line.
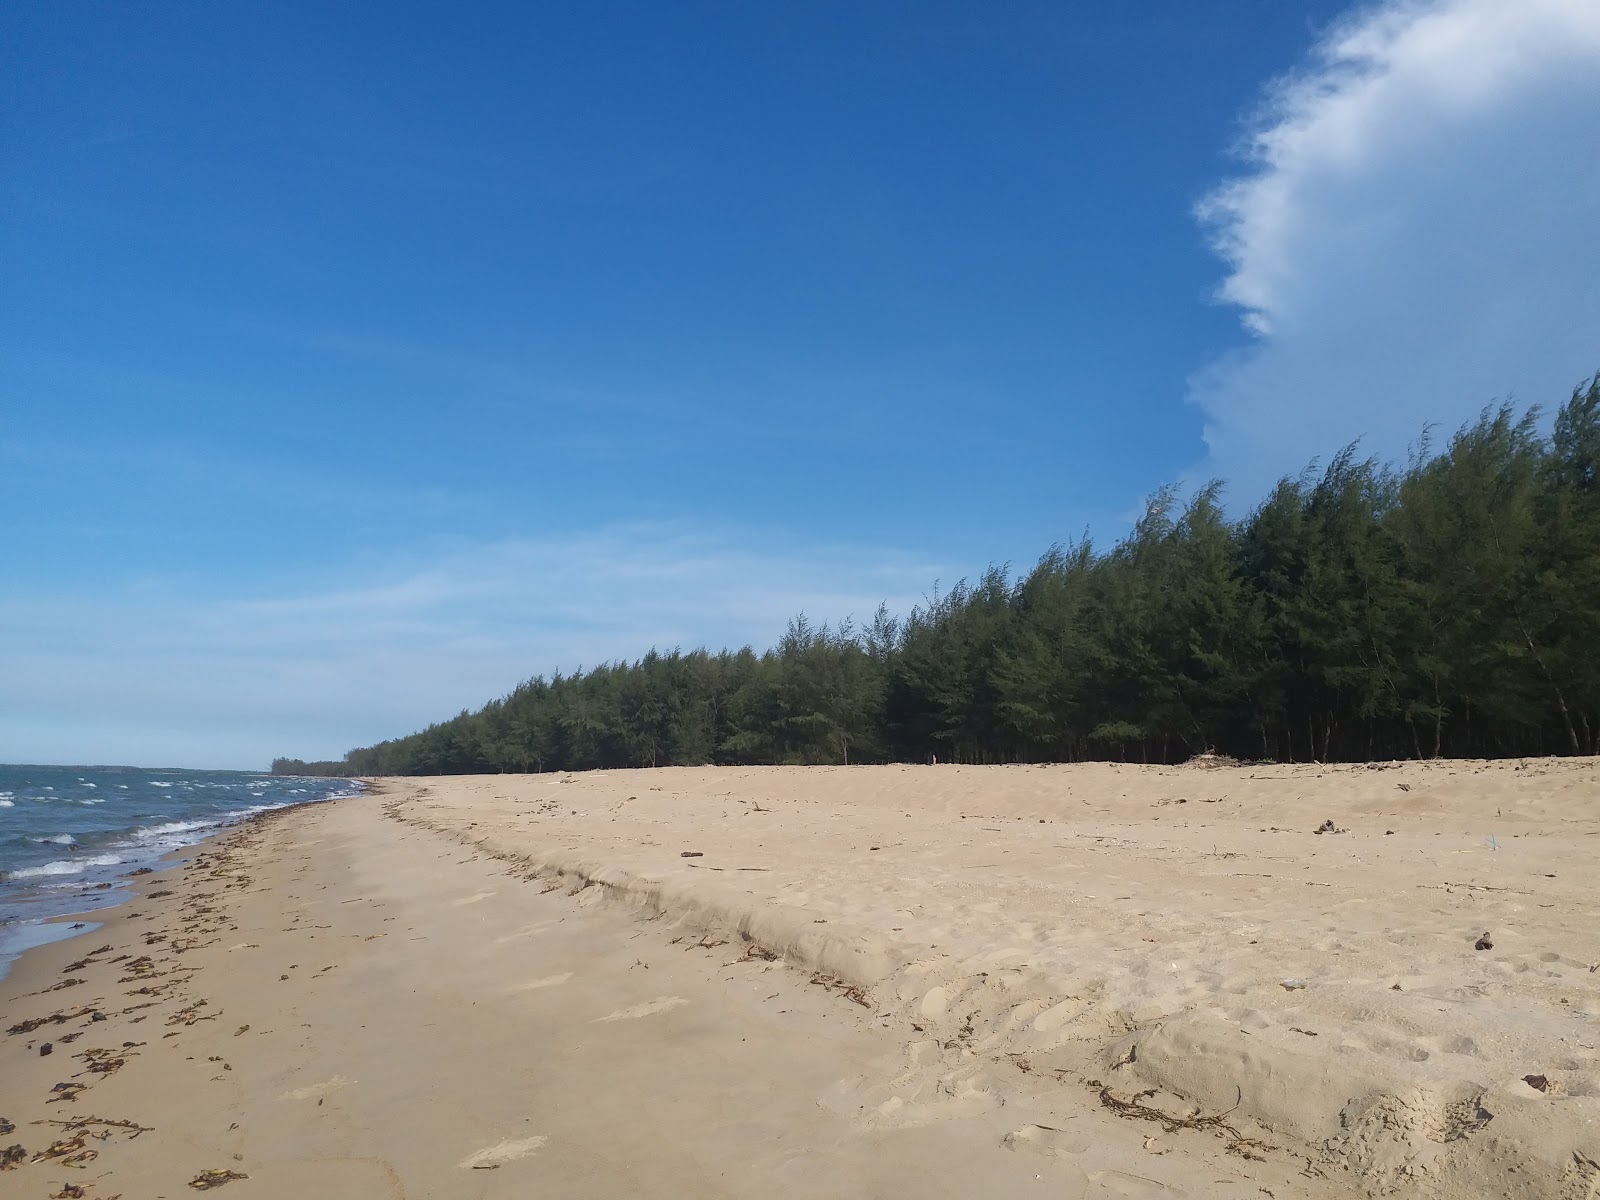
x=71, y=836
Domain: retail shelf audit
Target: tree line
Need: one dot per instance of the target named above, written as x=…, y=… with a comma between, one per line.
x=1449, y=608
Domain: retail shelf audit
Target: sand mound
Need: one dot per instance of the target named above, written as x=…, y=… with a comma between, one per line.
x=1187, y=937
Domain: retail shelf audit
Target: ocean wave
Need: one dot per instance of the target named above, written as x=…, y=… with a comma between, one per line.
x=136, y=843
x=5, y=803
x=74, y=866
x=173, y=834
x=172, y=827
x=157, y=783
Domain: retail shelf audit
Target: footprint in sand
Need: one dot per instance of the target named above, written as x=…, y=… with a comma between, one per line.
x=1045, y=1140
x=317, y=1089
x=1131, y=1187
x=526, y=931
x=502, y=1152
x=648, y=1009
x=547, y=981
x=1057, y=1015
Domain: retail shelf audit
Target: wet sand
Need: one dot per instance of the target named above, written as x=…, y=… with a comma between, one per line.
x=520, y=985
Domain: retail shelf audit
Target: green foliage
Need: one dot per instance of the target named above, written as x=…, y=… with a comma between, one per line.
x=1452, y=608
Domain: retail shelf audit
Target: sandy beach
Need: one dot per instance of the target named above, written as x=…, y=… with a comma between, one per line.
x=1068, y=981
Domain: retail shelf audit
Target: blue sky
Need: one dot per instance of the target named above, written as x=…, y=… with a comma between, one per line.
x=359, y=361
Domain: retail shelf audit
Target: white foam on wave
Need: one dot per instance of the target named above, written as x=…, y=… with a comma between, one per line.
x=73, y=866
x=176, y=827
x=123, y=786
x=7, y=804
x=146, y=843
x=157, y=783
x=87, y=784
x=61, y=839
x=171, y=834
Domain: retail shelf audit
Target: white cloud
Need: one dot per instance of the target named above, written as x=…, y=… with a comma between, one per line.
x=1417, y=234
x=149, y=674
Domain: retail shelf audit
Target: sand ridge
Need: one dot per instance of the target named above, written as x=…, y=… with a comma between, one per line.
x=1377, y=994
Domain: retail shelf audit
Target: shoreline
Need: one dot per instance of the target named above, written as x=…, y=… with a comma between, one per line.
x=30, y=913
x=598, y=1006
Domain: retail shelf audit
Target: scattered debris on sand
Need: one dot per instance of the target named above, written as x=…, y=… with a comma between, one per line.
x=215, y=1178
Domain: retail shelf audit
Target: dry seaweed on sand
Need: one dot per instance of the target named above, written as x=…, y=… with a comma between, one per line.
x=190, y=1014
x=102, y=1061
x=134, y=1129
x=215, y=1178
x=1135, y=1109
x=12, y=1157
x=71, y=1151
x=848, y=990
x=55, y=1018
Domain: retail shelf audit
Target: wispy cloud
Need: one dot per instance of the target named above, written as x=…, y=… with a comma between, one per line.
x=1415, y=235
x=147, y=674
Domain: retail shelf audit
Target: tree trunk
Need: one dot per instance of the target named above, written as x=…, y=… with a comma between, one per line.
x=1561, y=700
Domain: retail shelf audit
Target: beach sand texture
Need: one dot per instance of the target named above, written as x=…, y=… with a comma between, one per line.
x=874, y=981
